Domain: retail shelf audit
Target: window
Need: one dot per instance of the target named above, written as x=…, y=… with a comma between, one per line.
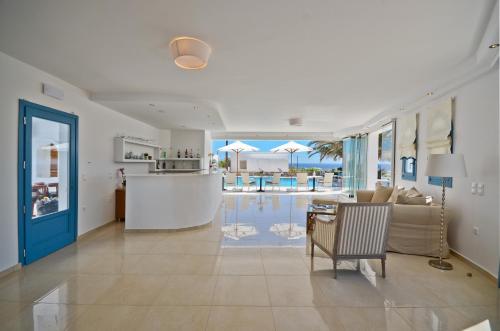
x=385, y=155
x=409, y=171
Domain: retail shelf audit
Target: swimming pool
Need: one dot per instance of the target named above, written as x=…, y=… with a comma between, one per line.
x=284, y=182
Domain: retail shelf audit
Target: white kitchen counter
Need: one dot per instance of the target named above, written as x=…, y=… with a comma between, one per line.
x=171, y=201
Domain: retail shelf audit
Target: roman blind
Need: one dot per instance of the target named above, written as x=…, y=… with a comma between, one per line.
x=407, y=130
x=439, y=128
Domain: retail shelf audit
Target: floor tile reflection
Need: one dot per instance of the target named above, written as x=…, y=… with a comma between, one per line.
x=237, y=273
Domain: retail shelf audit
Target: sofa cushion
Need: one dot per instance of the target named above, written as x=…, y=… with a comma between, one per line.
x=394, y=195
x=404, y=195
x=413, y=192
x=382, y=194
x=417, y=201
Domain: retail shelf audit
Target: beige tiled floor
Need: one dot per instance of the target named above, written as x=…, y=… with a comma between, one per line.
x=199, y=280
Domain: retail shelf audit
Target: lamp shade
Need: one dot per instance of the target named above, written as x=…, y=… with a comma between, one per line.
x=190, y=53
x=446, y=165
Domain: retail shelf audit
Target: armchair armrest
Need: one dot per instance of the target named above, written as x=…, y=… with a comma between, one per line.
x=324, y=234
x=364, y=195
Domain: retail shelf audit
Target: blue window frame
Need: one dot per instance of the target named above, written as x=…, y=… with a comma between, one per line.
x=448, y=181
x=409, y=170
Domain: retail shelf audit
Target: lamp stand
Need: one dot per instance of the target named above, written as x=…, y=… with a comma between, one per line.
x=439, y=263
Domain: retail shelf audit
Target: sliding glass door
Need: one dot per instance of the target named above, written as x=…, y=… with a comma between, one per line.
x=354, y=163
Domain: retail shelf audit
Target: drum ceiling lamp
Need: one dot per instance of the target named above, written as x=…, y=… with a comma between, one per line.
x=190, y=53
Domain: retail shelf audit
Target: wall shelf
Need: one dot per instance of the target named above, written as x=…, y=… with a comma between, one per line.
x=123, y=146
x=135, y=161
x=175, y=170
x=136, y=142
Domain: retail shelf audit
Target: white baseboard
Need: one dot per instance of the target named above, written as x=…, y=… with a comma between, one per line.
x=8, y=271
x=474, y=265
x=89, y=232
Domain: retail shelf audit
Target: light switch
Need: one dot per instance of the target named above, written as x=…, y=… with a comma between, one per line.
x=480, y=188
x=473, y=188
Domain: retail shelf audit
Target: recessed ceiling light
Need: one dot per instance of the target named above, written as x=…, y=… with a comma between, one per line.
x=190, y=53
x=295, y=121
x=496, y=45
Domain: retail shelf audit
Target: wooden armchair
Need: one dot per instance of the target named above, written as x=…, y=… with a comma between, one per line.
x=360, y=231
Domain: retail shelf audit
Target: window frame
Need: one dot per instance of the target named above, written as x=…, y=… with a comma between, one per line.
x=411, y=176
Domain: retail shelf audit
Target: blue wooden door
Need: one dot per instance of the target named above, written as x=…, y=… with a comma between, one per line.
x=47, y=180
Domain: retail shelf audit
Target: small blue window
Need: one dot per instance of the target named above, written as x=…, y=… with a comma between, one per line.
x=409, y=171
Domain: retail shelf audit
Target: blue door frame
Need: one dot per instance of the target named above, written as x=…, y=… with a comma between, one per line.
x=28, y=110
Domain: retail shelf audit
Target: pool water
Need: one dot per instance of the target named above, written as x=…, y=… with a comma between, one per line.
x=284, y=181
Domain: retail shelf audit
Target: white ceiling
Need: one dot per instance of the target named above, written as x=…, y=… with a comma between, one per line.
x=336, y=63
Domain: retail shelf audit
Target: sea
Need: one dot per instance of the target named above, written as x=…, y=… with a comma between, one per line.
x=322, y=165
x=338, y=164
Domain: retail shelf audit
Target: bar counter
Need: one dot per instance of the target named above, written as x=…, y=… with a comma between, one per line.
x=172, y=201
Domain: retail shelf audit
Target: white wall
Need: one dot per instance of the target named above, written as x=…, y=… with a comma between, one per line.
x=190, y=139
x=207, y=149
x=97, y=171
x=267, y=161
x=165, y=139
x=476, y=125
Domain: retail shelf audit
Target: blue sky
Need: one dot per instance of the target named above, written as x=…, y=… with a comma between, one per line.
x=266, y=145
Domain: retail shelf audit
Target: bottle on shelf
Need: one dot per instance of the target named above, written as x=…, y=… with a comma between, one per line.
x=178, y=153
x=191, y=153
x=197, y=153
x=186, y=153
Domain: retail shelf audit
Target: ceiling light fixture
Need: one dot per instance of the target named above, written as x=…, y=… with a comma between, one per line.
x=494, y=45
x=295, y=121
x=190, y=53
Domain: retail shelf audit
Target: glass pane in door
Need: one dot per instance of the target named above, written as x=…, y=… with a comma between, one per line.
x=49, y=166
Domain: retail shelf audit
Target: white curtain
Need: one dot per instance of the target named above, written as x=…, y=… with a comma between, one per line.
x=439, y=128
x=407, y=131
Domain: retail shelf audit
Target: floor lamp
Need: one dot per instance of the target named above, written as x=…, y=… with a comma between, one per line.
x=444, y=166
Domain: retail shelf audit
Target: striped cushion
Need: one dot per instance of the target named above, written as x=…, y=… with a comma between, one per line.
x=363, y=230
